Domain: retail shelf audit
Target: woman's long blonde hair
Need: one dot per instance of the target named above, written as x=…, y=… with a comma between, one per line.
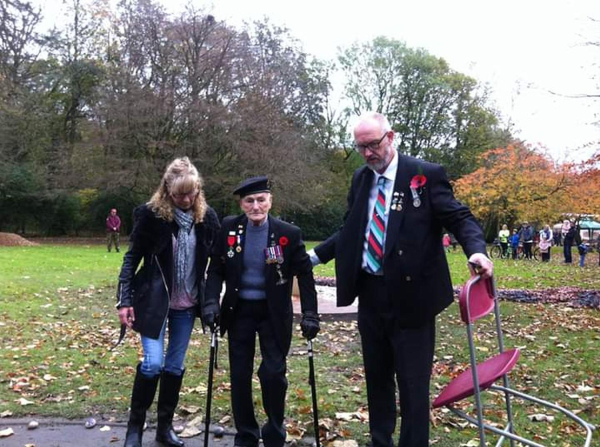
x=181, y=176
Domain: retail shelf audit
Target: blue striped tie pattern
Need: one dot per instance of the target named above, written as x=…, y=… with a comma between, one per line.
x=377, y=230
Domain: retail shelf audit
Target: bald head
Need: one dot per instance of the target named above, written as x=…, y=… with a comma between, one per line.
x=373, y=119
x=374, y=140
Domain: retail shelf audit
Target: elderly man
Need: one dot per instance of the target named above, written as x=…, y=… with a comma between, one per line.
x=257, y=256
x=389, y=253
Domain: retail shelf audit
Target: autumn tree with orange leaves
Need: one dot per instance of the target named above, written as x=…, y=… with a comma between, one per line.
x=518, y=183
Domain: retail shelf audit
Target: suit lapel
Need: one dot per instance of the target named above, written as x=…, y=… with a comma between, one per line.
x=239, y=227
x=361, y=218
x=396, y=216
x=272, y=240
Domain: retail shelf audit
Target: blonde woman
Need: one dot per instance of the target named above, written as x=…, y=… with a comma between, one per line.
x=172, y=234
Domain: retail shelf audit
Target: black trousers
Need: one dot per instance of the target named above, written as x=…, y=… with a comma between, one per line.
x=567, y=251
x=252, y=318
x=394, y=355
x=527, y=250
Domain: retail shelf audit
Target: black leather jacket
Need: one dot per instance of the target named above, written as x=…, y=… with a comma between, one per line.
x=149, y=290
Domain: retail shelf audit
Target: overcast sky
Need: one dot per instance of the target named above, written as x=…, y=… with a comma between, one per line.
x=523, y=49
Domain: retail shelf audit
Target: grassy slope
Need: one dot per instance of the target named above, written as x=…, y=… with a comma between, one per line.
x=57, y=321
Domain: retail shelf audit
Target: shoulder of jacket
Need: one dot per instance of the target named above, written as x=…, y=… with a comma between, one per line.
x=360, y=171
x=145, y=213
x=210, y=217
x=230, y=221
x=420, y=165
x=285, y=226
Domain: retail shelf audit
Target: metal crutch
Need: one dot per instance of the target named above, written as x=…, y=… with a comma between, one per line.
x=313, y=389
x=214, y=343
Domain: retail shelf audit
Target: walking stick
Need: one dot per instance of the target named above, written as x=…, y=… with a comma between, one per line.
x=313, y=389
x=214, y=343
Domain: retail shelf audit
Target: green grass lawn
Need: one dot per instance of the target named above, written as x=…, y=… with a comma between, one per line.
x=57, y=323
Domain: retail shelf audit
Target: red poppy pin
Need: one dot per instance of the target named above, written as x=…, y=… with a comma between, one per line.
x=416, y=187
x=283, y=241
x=231, y=240
x=418, y=181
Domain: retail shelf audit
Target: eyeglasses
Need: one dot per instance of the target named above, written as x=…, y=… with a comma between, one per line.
x=181, y=196
x=372, y=146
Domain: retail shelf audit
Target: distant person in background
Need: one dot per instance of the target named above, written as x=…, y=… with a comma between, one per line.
x=453, y=242
x=514, y=243
x=113, y=227
x=527, y=239
x=568, y=232
x=503, y=235
x=582, y=247
x=557, y=237
x=446, y=242
x=545, y=243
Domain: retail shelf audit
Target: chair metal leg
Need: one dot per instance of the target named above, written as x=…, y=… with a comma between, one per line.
x=505, y=382
x=498, y=431
x=588, y=427
x=476, y=386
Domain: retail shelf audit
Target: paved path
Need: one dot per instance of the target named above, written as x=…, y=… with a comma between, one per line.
x=72, y=433
x=327, y=306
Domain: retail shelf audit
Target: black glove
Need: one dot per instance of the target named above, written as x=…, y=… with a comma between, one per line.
x=211, y=319
x=310, y=325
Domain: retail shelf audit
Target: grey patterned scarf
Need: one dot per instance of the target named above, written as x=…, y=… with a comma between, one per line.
x=185, y=222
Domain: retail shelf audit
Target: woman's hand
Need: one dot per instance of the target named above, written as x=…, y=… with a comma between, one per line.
x=127, y=316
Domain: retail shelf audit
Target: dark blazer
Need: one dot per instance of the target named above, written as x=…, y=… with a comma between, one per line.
x=149, y=290
x=415, y=267
x=296, y=262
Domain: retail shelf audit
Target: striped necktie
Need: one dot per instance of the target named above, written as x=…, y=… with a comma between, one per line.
x=377, y=230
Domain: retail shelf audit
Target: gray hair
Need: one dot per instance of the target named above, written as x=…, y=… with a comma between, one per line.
x=374, y=116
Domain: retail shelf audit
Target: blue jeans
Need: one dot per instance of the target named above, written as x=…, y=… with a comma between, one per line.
x=180, y=324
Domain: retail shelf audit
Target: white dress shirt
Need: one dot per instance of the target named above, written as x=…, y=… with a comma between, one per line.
x=390, y=175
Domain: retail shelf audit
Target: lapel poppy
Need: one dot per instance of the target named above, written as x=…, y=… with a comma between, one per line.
x=418, y=181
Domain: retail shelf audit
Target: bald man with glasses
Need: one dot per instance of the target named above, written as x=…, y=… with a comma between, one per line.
x=389, y=254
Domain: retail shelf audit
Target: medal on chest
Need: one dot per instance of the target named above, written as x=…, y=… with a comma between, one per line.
x=231, y=242
x=397, y=199
x=234, y=241
x=274, y=255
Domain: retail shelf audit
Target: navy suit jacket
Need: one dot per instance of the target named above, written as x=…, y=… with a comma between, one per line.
x=296, y=262
x=415, y=268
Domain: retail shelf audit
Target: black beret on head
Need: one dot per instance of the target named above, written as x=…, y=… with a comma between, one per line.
x=253, y=185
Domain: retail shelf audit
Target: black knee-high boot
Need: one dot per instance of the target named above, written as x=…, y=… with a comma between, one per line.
x=168, y=397
x=144, y=389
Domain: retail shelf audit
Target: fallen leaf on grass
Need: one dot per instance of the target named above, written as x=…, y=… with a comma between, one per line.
x=6, y=414
x=360, y=415
x=540, y=417
x=345, y=416
x=22, y=401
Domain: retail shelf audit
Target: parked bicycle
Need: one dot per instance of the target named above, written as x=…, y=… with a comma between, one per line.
x=496, y=251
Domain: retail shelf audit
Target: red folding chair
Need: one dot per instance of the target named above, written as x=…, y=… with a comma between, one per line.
x=476, y=300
